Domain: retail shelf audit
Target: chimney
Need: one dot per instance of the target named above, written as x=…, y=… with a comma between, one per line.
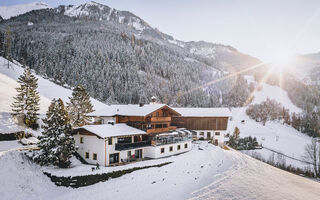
x=153, y=100
x=140, y=104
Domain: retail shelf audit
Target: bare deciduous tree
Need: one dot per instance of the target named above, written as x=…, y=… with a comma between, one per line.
x=312, y=155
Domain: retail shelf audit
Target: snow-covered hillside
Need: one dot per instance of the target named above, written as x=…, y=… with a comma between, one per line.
x=99, y=11
x=47, y=90
x=273, y=92
x=7, y=12
x=274, y=135
x=206, y=172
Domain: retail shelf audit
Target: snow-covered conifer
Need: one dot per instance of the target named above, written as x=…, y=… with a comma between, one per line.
x=26, y=103
x=57, y=144
x=79, y=106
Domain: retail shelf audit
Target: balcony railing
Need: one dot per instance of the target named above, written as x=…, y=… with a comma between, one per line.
x=160, y=119
x=124, y=146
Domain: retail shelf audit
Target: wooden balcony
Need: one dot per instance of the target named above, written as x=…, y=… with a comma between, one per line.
x=160, y=119
x=157, y=130
x=161, y=130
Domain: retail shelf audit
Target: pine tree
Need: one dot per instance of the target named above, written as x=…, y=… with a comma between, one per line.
x=57, y=144
x=8, y=40
x=26, y=103
x=79, y=106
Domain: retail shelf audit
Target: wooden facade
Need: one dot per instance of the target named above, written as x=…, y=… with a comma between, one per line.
x=158, y=121
x=200, y=123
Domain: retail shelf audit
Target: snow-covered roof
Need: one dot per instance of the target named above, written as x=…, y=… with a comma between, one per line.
x=127, y=110
x=204, y=112
x=109, y=130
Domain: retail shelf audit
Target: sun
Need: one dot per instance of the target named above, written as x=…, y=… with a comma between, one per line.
x=281, y=58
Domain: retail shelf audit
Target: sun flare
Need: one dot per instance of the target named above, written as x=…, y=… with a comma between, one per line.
x=281, y=59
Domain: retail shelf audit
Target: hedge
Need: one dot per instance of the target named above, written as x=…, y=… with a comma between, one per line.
x=81, y=181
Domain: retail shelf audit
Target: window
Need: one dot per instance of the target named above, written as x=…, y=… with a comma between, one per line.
x=217, y=133
x=81, y=140
x=110, y=141
x=158, y=125
x=138, y=153
x=162, y=150
x=87, y=155
x=201, y=133
x=113, y=158
x=157, y=114
x=94, y=156
x=179, y=147
x=165, y=125
x=185, y=145
x=129, y=154
x=171, y=148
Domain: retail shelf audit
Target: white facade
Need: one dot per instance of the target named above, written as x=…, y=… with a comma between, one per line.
x=167, y=150
x=212, y=135
x=93, y=145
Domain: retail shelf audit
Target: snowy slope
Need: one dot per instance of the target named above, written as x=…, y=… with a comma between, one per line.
x=7, y=12
x=273, y=135
x=273, y=92
x=47, y=90
x=206, y=173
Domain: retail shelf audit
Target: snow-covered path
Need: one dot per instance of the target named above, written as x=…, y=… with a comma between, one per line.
x=252, y=179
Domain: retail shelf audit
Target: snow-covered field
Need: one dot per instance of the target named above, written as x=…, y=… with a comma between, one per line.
x=206, y=172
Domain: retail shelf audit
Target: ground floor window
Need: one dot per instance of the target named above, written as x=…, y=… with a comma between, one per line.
x=179, y=147
x=185, y=145
x=162, y=150
x=217, y=133
x=171, y=148
x=129, y=154
x=95, y=156
x=138, y=153
x=113, y=158
x=201, y=134
x=87, y=155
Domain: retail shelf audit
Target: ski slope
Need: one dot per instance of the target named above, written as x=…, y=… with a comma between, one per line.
x=272, y=92
x=206, y=172
x=47, y=90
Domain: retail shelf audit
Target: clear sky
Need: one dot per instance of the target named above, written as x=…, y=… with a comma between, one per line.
x=262, y=28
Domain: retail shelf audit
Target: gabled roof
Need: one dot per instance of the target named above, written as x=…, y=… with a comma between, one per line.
x=204, y=112
x=109, y=130
x=129, y=110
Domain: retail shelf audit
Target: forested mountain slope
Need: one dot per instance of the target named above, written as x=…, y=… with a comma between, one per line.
x=119, y=58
